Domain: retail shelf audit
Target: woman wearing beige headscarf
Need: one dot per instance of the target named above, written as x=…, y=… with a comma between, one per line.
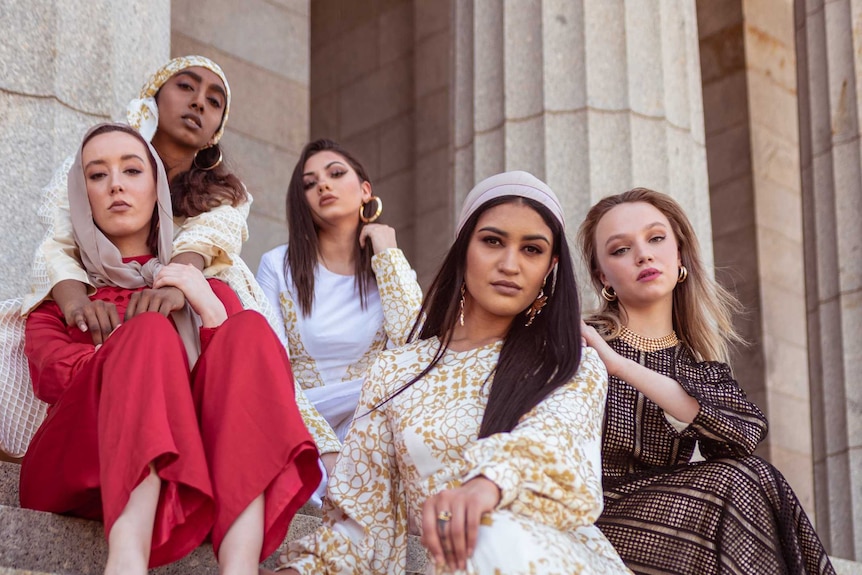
x=182, y=110
x=136, y=437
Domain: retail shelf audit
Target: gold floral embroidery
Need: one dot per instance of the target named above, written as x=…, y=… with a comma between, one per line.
x=424, y=440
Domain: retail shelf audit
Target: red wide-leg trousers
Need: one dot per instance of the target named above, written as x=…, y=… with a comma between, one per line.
x=218, y=437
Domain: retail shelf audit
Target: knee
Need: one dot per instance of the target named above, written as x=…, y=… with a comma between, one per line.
x=250, y=327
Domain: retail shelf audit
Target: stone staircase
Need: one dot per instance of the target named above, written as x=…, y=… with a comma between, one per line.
x=32, y=542
x=36, y=543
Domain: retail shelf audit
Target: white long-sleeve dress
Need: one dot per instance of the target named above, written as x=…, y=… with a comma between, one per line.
x=424, y=440
x=331, y=348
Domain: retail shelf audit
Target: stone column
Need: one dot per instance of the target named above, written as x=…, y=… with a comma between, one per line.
x=830, y=82
x=64, y=66
x=595, y=97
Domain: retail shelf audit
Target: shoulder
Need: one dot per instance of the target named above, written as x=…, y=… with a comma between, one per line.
x=395, y=367
x=275, y=257
x=707, y=371
x=592, y=370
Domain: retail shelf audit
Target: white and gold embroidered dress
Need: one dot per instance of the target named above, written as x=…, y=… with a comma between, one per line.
x=424, y=440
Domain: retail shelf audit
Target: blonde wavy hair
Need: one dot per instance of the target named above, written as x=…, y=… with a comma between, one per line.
x=702, y=309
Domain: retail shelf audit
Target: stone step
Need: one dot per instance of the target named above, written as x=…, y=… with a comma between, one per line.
x=36, y=542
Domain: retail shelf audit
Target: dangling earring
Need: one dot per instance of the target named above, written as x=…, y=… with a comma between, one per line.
x=609, y=294
x=461, y=314
x=214, y=164
x=377, y=212
x=537, y=305
x=683, y=274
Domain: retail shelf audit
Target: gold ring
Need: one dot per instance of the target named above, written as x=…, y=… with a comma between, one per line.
x=444, y=516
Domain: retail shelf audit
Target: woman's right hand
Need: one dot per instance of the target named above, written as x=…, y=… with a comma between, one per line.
x=100, y=318
x=382, y=237
x=609, y=357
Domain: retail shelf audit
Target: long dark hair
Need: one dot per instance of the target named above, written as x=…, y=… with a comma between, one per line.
x=534, y=360
x=198, y=190
x=303, y=246
x=153, y=235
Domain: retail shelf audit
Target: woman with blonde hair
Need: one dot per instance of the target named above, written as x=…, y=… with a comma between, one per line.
x=663, y=331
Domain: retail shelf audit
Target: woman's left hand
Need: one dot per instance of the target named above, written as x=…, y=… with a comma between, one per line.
x=382, y=237
x=191, y=281
x=451, y=518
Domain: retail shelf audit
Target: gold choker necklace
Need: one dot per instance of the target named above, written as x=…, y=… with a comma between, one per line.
x=648, y=344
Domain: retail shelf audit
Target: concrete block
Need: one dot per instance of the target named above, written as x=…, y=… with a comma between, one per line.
x=728, y=155
x=431, y=17
x=610, y=159
x=264, y=233
x=433, y=64
x=773, y=107
x=324, y=116
x=360, y=53
x=279, y=43
x=489, y=154
x=385, y=94
x=644, y=58
x=567, y=159
x=432, y=121
x=779, y=208
x=781, y=266
x=397, y=142
x=395, y=37
x=525, y=146
x=718, y=15
x=395, y=190
x=488, y=66
x=431, y=192
x=264, y=168
x=650, y=154
x=523, y=62
x=768, y=55
x=564, y=57
x=606, y=58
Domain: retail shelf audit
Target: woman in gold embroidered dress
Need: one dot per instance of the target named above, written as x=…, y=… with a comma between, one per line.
x=668, y=326
x=483, y=434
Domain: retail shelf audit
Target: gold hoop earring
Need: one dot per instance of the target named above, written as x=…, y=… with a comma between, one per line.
x=377, y=212
x=609, y=294
x=536, y=307
x=461, y=305
x=214, y=164
x=683, y=274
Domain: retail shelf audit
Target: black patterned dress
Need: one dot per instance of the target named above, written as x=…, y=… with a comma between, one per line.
x=733, y=513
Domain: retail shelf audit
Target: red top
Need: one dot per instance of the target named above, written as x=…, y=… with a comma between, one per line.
x=57, y=351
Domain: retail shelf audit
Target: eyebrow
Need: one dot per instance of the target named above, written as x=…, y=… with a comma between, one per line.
x=647, y=227
x=326, y=167
x=200, y=80
x=527, y=238
x=100, y=161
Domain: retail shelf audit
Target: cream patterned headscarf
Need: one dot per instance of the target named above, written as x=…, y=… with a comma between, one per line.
x=143, y=114
x=517, y=183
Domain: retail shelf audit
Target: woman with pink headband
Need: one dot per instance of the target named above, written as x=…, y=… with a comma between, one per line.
x=482, y=435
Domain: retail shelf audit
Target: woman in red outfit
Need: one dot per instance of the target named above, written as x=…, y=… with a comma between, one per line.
x=166, y=454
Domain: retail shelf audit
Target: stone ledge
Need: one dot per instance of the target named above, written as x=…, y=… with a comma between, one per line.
x=22, y=530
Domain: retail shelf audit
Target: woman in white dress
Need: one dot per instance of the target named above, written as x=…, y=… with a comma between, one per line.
x=482, y=435
x=342, y=288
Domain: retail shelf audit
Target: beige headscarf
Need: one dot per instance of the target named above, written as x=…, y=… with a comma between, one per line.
x=517, y=183
x=143, y=114
x=102, y=259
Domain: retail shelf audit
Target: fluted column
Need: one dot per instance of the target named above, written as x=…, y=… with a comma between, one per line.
x=64, y=65
x=594, y=96
x=830, y=81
